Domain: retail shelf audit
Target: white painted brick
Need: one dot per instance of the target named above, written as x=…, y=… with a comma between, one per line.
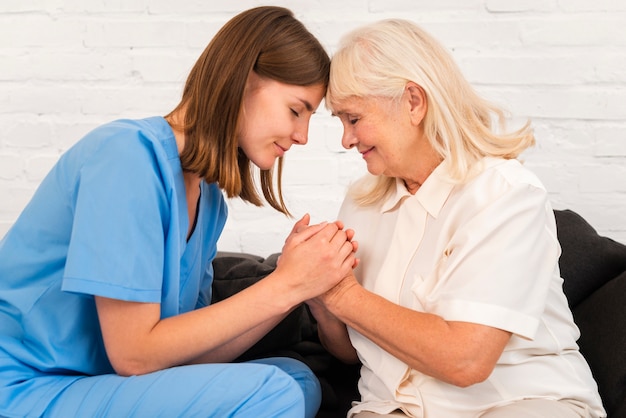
x=103, y=6
x=592, y=6
x=559, y=102
x=67, y=66
x=526, y=66
x=134, y=34
x=23, y=32
x=67, y=132
x=11, y=166
x=61, y=66
x=200, y=7
x=298, y=171
x=516, y=6
x=15, y=197
x=40, y=98
x=475, y=33
x=169, y=67
x=576, y=30
x=603, y=178
x=386, y=6
x=28, y=135
x=29, y=6
x=38, y=166
x=138, y=101
x=610, y=141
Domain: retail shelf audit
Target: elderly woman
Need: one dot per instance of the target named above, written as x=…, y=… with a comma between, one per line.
x=456, y=307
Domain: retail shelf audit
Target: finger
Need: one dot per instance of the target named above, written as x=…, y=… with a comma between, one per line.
x=344, y=252
x=339, y=238
x=327, y=233
x=309, y=231
x=302, y=223
x=350, y=261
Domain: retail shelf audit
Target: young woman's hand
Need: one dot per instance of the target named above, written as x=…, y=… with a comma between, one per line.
x=316, y=257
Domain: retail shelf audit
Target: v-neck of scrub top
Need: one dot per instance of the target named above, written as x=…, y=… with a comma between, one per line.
x=189, y=247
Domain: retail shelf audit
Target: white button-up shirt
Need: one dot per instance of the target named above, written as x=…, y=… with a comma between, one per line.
x=484, y=252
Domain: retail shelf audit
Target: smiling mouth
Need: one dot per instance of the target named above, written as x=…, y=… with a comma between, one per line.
x=281, y=149
x=366, y=151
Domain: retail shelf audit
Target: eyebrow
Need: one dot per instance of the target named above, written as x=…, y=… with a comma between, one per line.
x=307, y=105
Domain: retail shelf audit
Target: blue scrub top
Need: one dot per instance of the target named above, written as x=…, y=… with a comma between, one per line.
x=110, y=219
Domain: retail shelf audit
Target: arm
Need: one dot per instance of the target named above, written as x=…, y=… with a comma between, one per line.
x=333, y=333
x=459, y=353
x=138, y=341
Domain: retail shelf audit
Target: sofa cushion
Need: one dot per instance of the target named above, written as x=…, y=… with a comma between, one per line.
x=588, y=260
x=602, y=321
x=234, y=272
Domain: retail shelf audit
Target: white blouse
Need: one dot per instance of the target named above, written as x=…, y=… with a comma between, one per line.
x=484, y=252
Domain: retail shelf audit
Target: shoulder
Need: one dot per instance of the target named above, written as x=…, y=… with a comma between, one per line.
x=514, y=172
x=499, y=176
x=499, y=183
x=127, y=135
x=124, y=143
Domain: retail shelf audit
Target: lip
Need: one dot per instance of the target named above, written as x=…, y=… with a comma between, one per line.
x=281, y=150
x=366, y=152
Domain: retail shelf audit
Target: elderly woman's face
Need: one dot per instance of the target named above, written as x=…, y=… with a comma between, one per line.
x=385, y=132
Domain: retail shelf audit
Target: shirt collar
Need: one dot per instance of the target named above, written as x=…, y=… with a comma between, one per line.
x=431, y=195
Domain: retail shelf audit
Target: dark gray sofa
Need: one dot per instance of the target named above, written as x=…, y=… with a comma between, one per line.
x=594, y=272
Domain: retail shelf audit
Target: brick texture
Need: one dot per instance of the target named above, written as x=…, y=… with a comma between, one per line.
x=68, y=65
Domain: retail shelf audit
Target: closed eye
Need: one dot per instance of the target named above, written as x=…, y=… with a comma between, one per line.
x=296, y=114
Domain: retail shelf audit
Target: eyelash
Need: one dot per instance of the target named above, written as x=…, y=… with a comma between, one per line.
x=296, y=114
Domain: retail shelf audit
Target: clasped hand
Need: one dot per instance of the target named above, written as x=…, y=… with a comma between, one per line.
x=317, y=257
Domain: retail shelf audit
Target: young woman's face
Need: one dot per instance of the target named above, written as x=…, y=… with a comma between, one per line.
x=275, y=116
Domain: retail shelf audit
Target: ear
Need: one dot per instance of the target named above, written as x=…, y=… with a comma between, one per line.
x=417, y=102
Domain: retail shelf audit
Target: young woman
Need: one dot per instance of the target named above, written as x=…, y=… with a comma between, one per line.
x=105, y=278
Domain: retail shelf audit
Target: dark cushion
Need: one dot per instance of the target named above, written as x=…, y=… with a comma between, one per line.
x=588, y=260
x=602, y=321
x=234, y=272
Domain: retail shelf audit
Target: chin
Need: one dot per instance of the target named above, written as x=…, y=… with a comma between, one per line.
x=265, y=164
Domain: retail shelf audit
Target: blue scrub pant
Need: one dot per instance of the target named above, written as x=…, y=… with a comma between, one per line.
x=272, y=387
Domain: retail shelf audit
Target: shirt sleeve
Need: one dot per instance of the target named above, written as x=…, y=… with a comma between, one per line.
x=499, y=263
x=120, y=222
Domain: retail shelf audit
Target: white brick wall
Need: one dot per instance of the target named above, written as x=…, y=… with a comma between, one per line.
x=69, y=65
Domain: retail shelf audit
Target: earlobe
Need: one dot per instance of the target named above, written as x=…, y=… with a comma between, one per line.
x=417, y=100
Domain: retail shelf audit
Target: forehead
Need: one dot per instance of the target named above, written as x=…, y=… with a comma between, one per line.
x=348, y=105
x=357, y=104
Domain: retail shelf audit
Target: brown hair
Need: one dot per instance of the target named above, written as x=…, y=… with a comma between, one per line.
x=269, y=41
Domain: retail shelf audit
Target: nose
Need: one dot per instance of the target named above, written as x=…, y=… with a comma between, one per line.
x=348, y=139
x=300, y=134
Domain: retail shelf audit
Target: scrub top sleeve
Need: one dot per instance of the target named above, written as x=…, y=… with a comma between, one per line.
x=120, y=222
x=500, y=264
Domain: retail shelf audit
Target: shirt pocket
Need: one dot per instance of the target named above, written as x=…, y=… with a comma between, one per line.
x=416, y=292
x=426, y=284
